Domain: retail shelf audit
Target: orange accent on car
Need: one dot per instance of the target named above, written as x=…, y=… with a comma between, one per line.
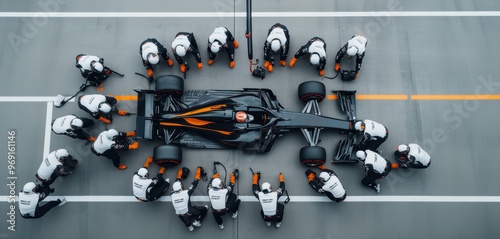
x=203, y=110
x=197, y=122
x=194, y=127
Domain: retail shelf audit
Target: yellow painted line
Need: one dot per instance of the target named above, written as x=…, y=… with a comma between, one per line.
x=126, y=97
x=384, y=97
x=455, y=97
x=374, y=97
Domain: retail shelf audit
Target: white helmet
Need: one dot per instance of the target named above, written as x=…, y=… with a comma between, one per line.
x=143, y=172
x=324, y=176
x=180, y=50
x=314, y=59
x=357, y=126
x=96, y=66
x=275, y=45
x=77, y=122
x=177, y=186
x=110, y=134
x=61, y=153
x=352, y=50
x=361, y=155
x=402, y=148
x=266, y=187
x=104, y=107
x=216, y=183
x=28, y=188
x=153, y=58
x=215, y=47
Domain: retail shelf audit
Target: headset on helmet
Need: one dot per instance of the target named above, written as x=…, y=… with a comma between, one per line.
x=104, y=107
x=143, y=172
x=352, y=51
x=266, y=187
x=358, y=126
x=77, y=122
x=215, y=47
x=96, y=66
x=275, y=45
x=110, y=134
x=402, y=148
x=361, y=155
x=28, y=187
x=153, y=58
x=324, y=176
x=180, y=50
x=216, y=183
x=314, y=59
x=177, y=186
x=61, y=153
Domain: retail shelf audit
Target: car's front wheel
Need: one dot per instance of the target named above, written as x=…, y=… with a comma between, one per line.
x=169, y=85
x=312, y=90
x=312, y=156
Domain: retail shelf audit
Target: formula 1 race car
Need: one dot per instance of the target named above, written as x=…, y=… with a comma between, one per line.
x=250, y=119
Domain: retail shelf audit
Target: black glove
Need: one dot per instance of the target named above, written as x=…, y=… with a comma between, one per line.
x=185, y=172
x=309, y=172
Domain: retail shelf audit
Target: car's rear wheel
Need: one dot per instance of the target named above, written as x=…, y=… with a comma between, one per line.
x=167, y=155
x=312, y=90
x=312, y=156
x=169, y=85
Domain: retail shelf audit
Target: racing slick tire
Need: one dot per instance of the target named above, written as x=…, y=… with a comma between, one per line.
x=312, y=156
x=167, y=155
x=312, y=90
x=169, y=85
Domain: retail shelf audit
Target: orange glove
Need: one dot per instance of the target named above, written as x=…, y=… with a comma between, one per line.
x=394, y=165
x=135, y=145
x=321, y=72
x=355, y=77
x=270, y=68
x=235, y=43
x=281, y=178
x=123, y=113
x=183, y=68
x=130, y=134
x=107, y=121
x=283, y=63
x=337, y=66
x=179, y=174
x=292, y=62
x=197, y=176
x=210, y=62
x=148, y=161
x=322, y=167
x=170, y=62
x=150, y=73
x=162, y=170
x=91, y=138
x=216, y=175
x=311, y=176
x=266, y=64
x=200, y=65
x=255, y=179
x=231, y=64
x=232, y=178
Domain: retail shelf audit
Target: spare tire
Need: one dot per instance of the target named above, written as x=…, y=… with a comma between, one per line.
x=312, y=90
x=167, y=155
x=312, y=156
x=169, y=85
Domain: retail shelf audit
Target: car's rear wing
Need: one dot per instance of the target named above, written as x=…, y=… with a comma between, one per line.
x=145, y=112
x=344, y=149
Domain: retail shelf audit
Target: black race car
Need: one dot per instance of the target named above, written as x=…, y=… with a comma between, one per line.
x=249, y=119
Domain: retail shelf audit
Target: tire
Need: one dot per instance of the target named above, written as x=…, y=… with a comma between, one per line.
x=167, y=155
x=169, y=85
x=312, y=90
x=312, y=156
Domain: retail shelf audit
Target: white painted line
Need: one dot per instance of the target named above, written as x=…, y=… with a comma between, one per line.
x=257, y=14
x=295, y=199
x=48, y=127
x=29, y=99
